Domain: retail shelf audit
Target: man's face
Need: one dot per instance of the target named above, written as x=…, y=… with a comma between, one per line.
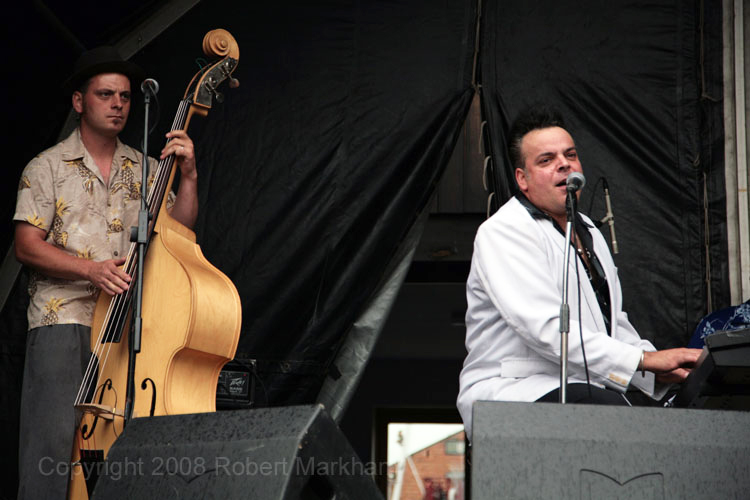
x=105, y=105
x=549, y=155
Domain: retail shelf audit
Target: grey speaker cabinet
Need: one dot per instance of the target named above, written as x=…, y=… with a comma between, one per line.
x=547, y=450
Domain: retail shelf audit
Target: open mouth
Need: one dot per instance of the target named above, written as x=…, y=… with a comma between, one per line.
x=562, y=183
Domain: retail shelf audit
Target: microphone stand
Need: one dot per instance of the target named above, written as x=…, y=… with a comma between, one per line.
x=609, y=218
x=570, y=206
x=139, y=235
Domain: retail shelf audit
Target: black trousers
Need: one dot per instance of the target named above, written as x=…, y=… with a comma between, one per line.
x=579, y=393
x=56, y=357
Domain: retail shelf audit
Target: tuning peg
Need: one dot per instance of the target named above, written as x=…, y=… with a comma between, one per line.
x=217, y=95
x=226, y=68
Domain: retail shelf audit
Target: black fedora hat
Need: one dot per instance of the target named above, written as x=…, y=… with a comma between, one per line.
x=104, y=59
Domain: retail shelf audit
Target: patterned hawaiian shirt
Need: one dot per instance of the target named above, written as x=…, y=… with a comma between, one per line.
x=62, y=192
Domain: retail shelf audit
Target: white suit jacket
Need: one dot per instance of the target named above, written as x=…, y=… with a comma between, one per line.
x=514, y=293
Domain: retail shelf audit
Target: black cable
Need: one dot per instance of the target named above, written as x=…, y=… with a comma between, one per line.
x=580, y=330
x=253, y=369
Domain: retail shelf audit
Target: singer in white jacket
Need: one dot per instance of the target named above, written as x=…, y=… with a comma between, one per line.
x=515, y=286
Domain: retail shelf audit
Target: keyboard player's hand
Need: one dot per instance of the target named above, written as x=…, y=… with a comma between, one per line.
x=671, y=365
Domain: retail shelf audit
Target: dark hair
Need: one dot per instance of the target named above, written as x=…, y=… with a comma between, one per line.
x=531, y=118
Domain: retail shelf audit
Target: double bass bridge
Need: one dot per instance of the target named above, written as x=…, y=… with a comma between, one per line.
x=105, y=412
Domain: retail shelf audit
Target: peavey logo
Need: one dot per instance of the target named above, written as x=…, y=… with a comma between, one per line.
x=596, y=485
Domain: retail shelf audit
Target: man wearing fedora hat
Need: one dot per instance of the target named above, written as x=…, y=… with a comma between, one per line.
x=76, y=203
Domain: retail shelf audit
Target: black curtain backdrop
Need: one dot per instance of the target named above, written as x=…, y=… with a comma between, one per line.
x=640, y=86
x=315, y=168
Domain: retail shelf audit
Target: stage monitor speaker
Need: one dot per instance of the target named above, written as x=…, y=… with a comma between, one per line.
x=548, y=450
x=268, y=453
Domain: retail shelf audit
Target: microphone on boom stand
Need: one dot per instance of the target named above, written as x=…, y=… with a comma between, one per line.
x=574, y=182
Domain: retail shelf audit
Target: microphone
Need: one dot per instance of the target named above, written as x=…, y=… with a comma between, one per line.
x=575, y=182
x=150, y=86
x=609, y=218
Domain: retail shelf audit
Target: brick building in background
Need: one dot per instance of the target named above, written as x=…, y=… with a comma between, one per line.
x=430, y=473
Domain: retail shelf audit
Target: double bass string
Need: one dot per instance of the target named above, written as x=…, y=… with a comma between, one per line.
x=161, y=178
x=119, y=306
x=106, y=335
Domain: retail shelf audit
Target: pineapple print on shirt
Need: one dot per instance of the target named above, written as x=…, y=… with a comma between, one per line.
x=35, y=220
x=89, y=178
x=127, y=182
x=51, y=308
x=115, y=226
x=58, y=235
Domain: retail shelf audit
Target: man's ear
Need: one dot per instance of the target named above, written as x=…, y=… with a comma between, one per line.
x=77, y=102
x=521, y=179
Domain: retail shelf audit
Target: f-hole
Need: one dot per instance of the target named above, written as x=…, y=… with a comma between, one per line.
x=144, y=386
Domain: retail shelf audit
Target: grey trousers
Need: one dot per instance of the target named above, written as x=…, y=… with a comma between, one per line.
x=56, y=358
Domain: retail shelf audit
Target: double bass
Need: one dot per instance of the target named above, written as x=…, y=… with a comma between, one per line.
x=191, y=312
